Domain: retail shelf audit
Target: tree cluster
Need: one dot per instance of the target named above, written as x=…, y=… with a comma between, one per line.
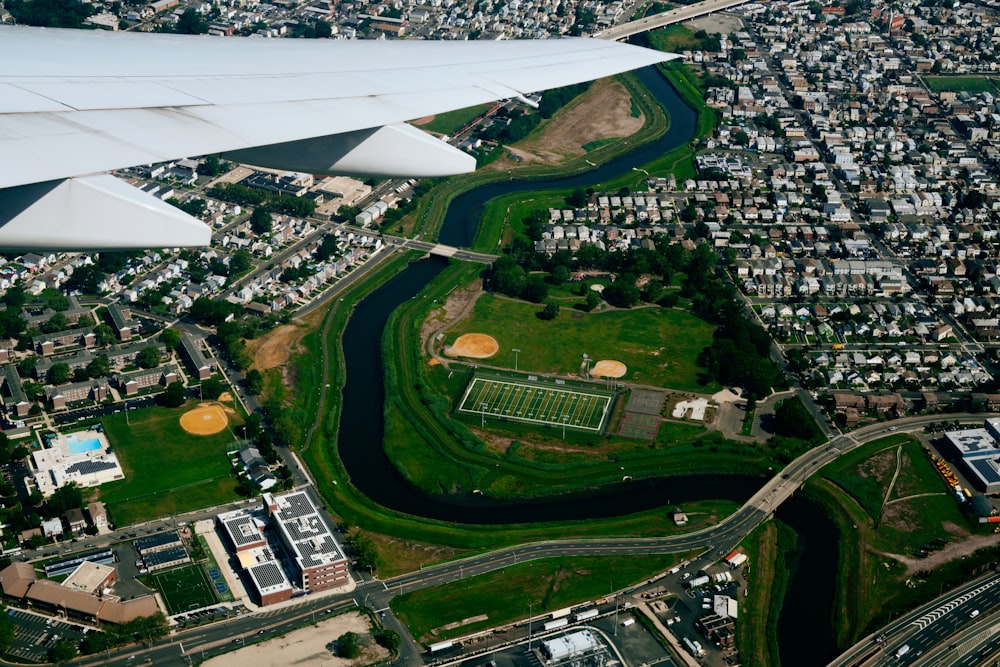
x=51, y=13
x=273, y=202
x=144, y=628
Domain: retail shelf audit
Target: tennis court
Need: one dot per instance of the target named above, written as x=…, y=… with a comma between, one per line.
x=184, y=588
x=537, y=403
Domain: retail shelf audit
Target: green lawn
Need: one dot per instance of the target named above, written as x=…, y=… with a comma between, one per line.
x=452, y=121
x=504, y=596
x=971, y=84
x=659, y=346
x=167, y=470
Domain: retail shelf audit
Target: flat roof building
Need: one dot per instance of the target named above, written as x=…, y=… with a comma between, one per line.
x=978, y=450
x=319, y=559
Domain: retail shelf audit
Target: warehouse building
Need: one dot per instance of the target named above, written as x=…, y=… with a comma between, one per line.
x=978, y=452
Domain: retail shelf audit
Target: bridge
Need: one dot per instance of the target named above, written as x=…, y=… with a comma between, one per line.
x=678, y=15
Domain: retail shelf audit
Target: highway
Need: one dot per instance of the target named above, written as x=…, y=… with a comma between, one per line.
x=678, y=15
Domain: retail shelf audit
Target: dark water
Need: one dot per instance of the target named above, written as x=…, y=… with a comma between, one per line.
x=805, y=632
x=804, y=628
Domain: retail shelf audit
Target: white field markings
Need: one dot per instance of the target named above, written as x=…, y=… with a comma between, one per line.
x=944, y=609
x=535, y=404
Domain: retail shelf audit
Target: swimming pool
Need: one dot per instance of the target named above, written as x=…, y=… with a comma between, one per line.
x=80, y=446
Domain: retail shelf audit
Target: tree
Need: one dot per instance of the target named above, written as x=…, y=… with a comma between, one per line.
x=58, y=322
x=62, y=651
x=255, y=381
x=535, y=289
x=261, y=221
x=99, y=367
x=148, y=357
x=349, y=645
x=622, y=293
x=211, y=388
x=191, y=23
x=171, y=338
x=387, y=638
x=66, y=497
x=58, y=373
x=592, y=300
x=174, y=396
x=550, y=312
x=6, y=629
x=365, y=552
x=105, y=335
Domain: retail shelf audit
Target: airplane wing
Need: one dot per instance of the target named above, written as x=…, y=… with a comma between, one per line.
x=81, y=103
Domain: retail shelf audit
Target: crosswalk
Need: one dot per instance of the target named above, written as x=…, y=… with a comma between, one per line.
x=947, y=607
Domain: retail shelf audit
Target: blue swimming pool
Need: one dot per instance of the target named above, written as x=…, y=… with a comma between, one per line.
x=80, y=446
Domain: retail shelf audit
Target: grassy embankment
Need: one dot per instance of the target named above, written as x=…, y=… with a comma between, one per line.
x=876, y=523
x=168, y=471
x=503, y=596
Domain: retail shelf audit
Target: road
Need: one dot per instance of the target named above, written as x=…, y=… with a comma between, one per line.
x=678, y=15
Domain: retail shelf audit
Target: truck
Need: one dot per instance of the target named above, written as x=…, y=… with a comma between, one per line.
x=558, y=623
x=440, y=646
x=585, y=615
x=559, y=613
x=902, y=650
x=698, y=581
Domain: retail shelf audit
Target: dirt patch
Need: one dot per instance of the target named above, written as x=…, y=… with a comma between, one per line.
x=953, y=551
x=603, y=112
x=608, y=368
x=226, y=397
x=473, y=345
x=206, y=419
x=276, y=347
x=312, y=646
x=456, y=306
x=424, y=120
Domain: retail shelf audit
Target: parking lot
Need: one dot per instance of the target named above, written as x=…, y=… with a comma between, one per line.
x=34, y=635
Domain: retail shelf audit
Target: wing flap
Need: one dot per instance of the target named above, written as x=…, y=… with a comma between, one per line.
x=400, y=150
x=93, y=213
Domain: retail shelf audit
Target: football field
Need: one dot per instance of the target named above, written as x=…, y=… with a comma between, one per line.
x=535, y=403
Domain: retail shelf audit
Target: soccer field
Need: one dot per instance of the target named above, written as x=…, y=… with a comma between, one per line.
x=184, y=588
x=534, y=403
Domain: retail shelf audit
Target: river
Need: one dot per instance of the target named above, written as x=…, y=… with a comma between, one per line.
x=361, y=425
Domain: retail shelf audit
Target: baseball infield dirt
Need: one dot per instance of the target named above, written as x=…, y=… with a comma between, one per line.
x=608, y=368
x=474, y=345
x=206, y=419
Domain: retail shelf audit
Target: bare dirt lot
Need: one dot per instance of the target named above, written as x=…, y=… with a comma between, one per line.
x=313, y=646
x=603, y=112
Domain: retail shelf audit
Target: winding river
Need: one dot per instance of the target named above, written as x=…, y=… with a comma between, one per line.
x=361, y=427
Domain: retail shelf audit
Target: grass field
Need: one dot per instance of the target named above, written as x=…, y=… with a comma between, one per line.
x=971, y=84
x=185, y=588
x=659, y=345
x=536, y=403
x=452, y=121
x=167, y=470
x=504, y=596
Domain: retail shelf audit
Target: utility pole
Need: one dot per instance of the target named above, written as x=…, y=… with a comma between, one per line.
x=516, y=351
x=529, y=625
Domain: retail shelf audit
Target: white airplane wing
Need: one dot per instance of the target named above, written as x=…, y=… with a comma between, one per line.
x=80, y=103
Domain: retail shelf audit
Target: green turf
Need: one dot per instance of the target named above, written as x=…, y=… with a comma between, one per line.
x=184, y=588
x=167, y=470
x=659, y=346
x=504, y=595
x=452, y=121
x=971, y=84
x=536, y=403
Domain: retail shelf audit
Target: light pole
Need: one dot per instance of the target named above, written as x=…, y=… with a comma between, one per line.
x=529, y=626
x=516, y=352
x=565, y=419
x=482, y=412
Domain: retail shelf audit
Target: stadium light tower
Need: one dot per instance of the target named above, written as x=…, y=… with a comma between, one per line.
x=565, y=419
x=482, y=412
x=515, y=351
